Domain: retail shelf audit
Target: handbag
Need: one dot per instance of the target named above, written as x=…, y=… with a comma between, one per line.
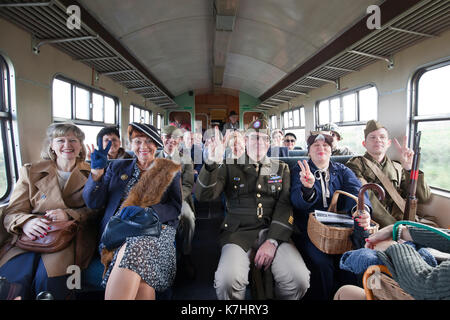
x=132, y=221
x=58, y=237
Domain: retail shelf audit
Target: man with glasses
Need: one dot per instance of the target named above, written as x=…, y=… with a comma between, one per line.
x=259, y=222
x=337, y=150
x=171, y=137
x=289, y=140
x=375, y=164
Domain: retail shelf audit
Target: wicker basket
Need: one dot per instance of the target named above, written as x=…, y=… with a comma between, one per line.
x=331, y=239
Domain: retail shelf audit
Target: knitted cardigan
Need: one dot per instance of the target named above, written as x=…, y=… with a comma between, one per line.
x=412, y=273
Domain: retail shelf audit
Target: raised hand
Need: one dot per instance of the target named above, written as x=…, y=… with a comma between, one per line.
x=99, y=157
x=306, y=177
x=406, y=154
x=215, y=148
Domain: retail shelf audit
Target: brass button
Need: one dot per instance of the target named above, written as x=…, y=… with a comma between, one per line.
x=259, y=186
x=259, y=205
x=258, y=195
x=279, y=188
x=124, y=177
x=226, y=225
x=235, y=187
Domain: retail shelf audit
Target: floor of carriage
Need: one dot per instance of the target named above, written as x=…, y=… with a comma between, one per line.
x=205, y=255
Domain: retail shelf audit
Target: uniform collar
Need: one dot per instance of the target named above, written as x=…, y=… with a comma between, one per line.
x=382, y=163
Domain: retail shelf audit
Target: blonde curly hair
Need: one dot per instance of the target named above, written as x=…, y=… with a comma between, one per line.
x=61, y=129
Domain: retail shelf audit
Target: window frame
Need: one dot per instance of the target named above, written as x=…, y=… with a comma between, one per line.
x=341, y=96
x=8, y=127
x=299, y=108
x=141, y=108
x=414, y=118
x=90, y=122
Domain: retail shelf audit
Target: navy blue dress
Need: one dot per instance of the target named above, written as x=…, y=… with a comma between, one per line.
x=326, y=276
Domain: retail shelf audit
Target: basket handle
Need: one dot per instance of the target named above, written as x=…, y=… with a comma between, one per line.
x=334, y=200
x=368, y=273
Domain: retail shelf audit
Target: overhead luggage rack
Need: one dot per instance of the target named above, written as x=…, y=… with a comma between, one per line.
x=90, y=44
x=426, y=19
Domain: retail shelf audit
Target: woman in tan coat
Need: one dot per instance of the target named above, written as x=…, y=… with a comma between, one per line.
x=50, y=189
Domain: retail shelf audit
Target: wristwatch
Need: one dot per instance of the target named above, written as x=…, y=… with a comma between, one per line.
x=274, y=242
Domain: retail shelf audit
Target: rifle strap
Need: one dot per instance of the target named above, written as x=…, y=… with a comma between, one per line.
x=387, y=184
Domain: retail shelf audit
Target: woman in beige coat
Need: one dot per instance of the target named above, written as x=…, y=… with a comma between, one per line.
x=50, y=189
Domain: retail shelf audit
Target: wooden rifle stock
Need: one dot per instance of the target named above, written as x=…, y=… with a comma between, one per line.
x=411, y=201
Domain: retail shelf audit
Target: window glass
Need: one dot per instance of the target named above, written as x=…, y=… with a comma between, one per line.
x=349, y=107
x=434, y=92
x=110, y=110
x=82, y=103
x=335, y=105
x=324, y=114
x=302, y=117
x=62, y=104
x=368, y=101
x=296, y=117
x=97, y=107
x=431, y=116
x=434, y=152
x=352, y=137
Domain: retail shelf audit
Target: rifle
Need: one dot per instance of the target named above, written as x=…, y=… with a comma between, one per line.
x=411, y=201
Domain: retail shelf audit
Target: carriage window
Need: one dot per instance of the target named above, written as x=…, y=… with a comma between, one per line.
x=159, y=122
x=273, y=123
x=431, y=116
x=350, y=111
x=139, y=114
x=294, y=122
x=87, y=107
x=7, y=155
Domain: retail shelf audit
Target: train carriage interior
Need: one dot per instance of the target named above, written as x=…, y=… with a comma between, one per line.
x=299, y=64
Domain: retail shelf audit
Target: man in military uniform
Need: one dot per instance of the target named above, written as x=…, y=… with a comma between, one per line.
x=259, y=216
x=337, y=150
x=171, y=137
x=375, y=163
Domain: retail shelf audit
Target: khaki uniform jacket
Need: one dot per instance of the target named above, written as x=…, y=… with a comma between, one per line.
x=386, y=212
x=36, y=191
x=250, y=191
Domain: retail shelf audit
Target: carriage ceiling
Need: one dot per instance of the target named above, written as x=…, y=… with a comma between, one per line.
x=272, y=50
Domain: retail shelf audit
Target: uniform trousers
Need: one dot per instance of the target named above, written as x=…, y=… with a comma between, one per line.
x=28, y=270
x=326, y=276
x=291, y=276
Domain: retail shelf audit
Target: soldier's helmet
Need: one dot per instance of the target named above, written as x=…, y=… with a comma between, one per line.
x=333, y=128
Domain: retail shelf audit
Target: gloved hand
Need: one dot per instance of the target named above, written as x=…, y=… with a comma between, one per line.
x=99, y=158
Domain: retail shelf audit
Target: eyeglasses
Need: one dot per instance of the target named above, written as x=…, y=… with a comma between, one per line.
x=289, y=140
x=140, y=141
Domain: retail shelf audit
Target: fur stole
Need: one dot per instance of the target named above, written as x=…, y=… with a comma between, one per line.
x=146, y=192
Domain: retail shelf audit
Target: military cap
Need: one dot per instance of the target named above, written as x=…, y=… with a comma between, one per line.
x=258, y=125
x=372, y=125
x=332, y=127
x=172, y=130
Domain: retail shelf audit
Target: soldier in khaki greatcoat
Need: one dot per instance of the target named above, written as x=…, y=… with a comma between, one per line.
x=259, y=216
x=377, y=142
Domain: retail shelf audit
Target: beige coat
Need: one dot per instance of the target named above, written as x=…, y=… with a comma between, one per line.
x=36, y=191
